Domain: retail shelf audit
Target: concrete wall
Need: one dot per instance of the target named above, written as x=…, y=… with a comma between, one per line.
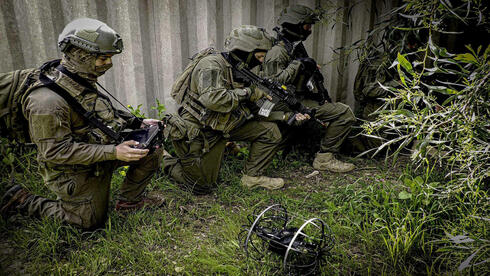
x=160, y=35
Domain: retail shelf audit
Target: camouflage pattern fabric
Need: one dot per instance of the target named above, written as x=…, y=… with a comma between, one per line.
x=368, y=94
x=82, y=63
x=200, y=145
x=367, y=90
x=76, y=159
x=83, y=196
x=338, y=117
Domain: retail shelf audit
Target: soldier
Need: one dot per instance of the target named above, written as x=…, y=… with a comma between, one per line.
x=291, y=67
x=215, y=109
x=77, y=160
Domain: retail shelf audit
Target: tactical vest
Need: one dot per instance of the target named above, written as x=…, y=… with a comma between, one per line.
x=187, y=96
x=91, y=100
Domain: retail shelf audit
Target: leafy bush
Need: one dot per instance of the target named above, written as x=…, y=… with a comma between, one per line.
x=440, y=112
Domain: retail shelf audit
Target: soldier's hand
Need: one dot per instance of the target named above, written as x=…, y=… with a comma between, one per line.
x=257, y=94
x=149, y=122
x=125, y=151
x=299, y=118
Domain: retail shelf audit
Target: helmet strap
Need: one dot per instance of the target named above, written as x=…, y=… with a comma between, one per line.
x=249, y=59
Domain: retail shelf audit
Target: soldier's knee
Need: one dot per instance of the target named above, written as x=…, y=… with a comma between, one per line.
x=350, y=118
x=196, y=178
x=272, y=133
x=152, y=161
x=347, y=118
x=85, y=214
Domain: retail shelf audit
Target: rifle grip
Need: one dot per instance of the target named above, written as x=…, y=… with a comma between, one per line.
x=292, y=119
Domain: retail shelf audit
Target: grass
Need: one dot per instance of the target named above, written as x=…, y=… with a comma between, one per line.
x=384, y=218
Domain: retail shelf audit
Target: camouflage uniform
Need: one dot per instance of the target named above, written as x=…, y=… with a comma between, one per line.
x=368, y=94
x=77, y=160
x=200, y=141
x=281, y=64
x=367, y=91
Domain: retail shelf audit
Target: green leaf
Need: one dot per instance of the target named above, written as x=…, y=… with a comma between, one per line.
x=441, y=89
x=486, y=53
x=6, y=161
x=444, y=53
x=405, y=63
x=404, y=195
x=407, y=182
x=401, y=74
x=467, y=58
x=409, y=29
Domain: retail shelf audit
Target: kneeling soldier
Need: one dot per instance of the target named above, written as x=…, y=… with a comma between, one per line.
x=215, y=108
x=288, y=63
x=77, y=159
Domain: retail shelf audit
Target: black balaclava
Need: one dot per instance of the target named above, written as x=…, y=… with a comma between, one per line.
x=294, y=32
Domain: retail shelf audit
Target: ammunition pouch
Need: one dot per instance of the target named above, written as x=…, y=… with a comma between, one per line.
x=223, y=122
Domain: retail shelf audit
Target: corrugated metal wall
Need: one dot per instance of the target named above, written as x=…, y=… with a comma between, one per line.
x=160, y=35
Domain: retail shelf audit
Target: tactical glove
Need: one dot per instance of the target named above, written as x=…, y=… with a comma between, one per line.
x=308, y=64
x=255, y=93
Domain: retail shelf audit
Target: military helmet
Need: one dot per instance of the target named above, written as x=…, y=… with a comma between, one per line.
x=91, y=35
x=248, y=38
x=296, y=14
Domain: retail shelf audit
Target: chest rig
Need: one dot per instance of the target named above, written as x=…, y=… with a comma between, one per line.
x=223, y=122
x=95, y=120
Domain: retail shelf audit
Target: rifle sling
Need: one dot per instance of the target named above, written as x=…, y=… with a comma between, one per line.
x=88, y=116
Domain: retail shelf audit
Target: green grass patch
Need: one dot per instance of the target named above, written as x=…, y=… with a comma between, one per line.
x=385, y=220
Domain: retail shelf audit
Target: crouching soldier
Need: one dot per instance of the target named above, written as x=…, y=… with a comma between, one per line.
x=215, y=108
x=77, y=158
x=288, y=63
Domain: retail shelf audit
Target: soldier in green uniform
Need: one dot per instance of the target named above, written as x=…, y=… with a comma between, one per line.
x=368, y=94
x=76, y=159
x=215, y=108
x=283, y=64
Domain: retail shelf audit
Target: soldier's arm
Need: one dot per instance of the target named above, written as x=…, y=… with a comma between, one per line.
x=212, y=89
x=279, y=66
x=50, y=129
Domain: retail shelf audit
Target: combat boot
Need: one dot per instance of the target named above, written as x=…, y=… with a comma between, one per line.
x=14, y=200
x=327, y=161
x=262, y=181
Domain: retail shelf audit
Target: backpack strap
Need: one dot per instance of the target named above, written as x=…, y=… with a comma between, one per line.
x=88, y=116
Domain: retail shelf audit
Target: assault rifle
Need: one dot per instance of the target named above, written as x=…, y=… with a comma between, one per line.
x=277, y=93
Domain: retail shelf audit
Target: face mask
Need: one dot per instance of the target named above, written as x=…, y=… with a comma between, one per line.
x=82, y=63
x=100, y=70
x=295, y=32
x=305, y=34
